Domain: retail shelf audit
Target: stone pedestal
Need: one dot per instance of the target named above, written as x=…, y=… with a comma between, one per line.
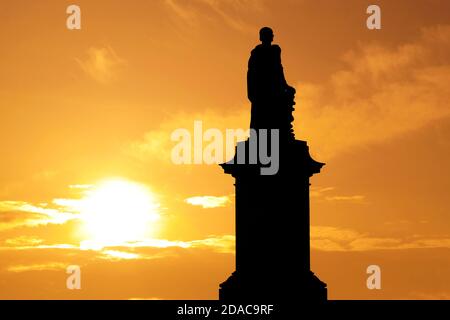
x=273, y=230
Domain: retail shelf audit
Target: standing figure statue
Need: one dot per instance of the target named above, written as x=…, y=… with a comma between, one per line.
x=271, y=97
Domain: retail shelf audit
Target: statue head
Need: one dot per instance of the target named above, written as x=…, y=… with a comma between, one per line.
x=266, y=35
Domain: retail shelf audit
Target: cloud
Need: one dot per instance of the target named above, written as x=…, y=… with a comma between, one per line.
x=120, y=255
x=208, y=201
x=145, y=243
x=184, y=12
x=130, y=250
x=223, y=244
x=11, y=244
x=156, y=144
x=53, y=266
x=323, y=193
x=383, y=92
x=101, y=64
x=319, y=191
x=357, y=198
x=326, y=238
x=23, y=241
x=323, y=238
x=234, y=13
x=20, y=213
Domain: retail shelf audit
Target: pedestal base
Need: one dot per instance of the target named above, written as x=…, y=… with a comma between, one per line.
x=307, y=287
x=273, y=229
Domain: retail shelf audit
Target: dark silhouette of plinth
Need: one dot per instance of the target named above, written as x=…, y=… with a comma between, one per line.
x=272, y=211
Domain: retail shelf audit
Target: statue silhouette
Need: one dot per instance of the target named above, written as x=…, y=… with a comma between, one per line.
x=271, y=97
x=265, y=77
x=272, y=211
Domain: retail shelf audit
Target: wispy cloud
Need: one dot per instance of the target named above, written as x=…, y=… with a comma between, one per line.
x=357, y=198
x=132, y=250
x=381, y=93
x=101, y=64
x=181, y=10
x=340, y=239
x=326, y=193
x=53, y=266
x=320, y=191
x=23, y=241
x=224, y=244
x=20, y=213
x=208, y=201
x=234, y=13
x=145, y=243
x=40, y=246
x=120, y=255
x=156, y=145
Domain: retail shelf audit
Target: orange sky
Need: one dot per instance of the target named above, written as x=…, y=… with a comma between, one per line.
x=79, y=107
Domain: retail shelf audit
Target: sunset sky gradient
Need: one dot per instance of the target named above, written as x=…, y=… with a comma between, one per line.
x=78, y=108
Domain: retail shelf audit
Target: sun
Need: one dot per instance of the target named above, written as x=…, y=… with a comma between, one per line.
x=117, y=211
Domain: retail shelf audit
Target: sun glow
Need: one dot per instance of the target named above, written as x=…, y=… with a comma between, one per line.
x=117, y=211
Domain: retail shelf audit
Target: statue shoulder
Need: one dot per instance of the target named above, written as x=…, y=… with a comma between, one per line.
x=261, y=50
x=276, y=48
x=257, y=49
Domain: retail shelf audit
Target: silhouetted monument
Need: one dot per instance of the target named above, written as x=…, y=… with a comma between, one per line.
x=271, y=97
x=272, y=211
